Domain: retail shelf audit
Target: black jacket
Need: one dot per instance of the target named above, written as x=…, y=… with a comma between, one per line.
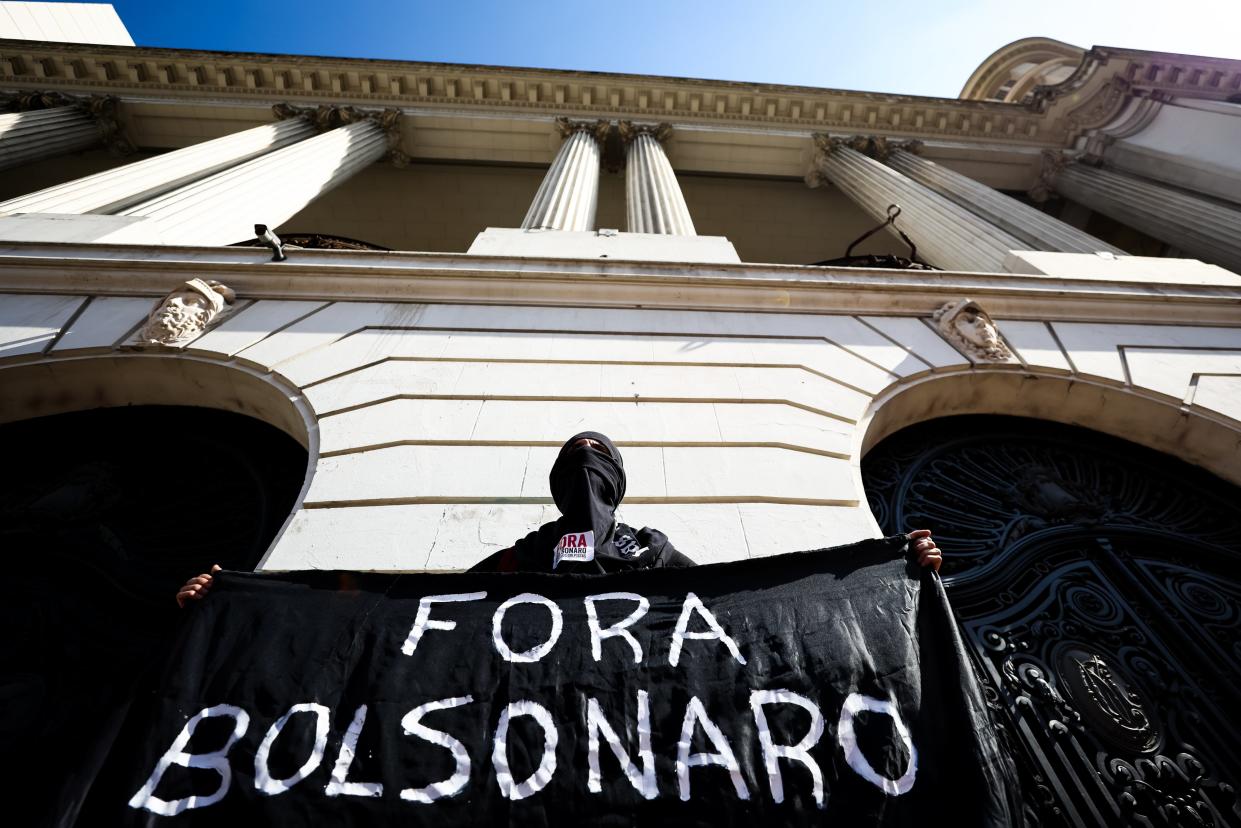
x=643, y=548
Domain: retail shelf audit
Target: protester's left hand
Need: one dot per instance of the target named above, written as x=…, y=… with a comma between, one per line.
x=922, y=545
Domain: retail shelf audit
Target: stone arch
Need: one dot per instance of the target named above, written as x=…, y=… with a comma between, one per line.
x=50, y=386
x=1090, y=555
x=1209, y=441
x=125, y=473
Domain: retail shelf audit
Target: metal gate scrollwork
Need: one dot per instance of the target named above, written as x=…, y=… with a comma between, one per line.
x=1096, y=585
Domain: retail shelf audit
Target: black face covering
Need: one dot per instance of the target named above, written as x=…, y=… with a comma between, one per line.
x=587, y=486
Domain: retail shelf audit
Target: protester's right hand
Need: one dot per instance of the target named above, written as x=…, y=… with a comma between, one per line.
x=196, y=588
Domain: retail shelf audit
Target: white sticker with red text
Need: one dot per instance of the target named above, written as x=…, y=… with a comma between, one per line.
x=578, y=547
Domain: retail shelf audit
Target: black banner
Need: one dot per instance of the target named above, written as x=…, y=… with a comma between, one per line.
x=813, y=688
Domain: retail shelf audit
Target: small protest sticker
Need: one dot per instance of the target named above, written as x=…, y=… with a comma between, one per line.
x=575, y=546
x=627, y=545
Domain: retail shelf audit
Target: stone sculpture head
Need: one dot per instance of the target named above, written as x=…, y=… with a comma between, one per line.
x=186, y=312
x=971, y=329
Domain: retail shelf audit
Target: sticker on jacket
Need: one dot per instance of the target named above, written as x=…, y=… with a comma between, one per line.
x=627, y=545
x=577, y=547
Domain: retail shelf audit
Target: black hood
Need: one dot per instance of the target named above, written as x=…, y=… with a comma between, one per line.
x=586, y=484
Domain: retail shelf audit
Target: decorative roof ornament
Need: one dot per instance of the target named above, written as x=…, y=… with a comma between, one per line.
x=1101, y=107
x=1137, y=114
x=972, y=331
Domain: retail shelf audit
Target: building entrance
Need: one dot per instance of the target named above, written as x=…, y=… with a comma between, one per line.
x=103, y=514
x=1095, y=585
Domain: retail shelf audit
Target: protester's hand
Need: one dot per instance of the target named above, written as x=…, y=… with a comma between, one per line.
x=196, y=588
x=928, y=553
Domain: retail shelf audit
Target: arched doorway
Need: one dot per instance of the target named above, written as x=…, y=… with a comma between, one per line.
x=103, y=513
x=1095, y=584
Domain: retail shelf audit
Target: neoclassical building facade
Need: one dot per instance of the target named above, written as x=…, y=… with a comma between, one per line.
x=470, y=264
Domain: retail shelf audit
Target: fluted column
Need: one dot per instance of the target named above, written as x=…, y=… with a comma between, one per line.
x=1035, y=229
x=1206, y=229
x=44, y=133
x=1190, y=143
x=223, y=208
x=115, y=189
x=948, y=236
x=653, y=199
x=568, y=198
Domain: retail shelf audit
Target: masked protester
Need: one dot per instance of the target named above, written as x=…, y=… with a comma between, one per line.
x=587, y=483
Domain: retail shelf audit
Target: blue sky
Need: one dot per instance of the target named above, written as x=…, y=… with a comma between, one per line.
x=918, y=48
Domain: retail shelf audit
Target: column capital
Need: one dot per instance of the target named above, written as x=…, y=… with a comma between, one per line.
x=101, y=108
x=878, y=147
x=325, y=117
x=629, y=131
x=35, y=101
x=1051, y=162
x=599, y=129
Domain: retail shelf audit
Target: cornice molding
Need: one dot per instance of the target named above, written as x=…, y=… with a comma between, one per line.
x=270, y=79
x=114, y=270
x=1055, y=116
x=1192, y=76
x=1107, y=78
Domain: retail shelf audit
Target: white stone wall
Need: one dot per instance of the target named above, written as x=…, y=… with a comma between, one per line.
x=432, y=427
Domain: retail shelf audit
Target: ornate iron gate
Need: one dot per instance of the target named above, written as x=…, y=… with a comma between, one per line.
x=1096, y=584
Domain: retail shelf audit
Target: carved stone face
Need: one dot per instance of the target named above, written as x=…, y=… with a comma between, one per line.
x=182, y=314
x=976, y=328
x=970, y=329
x=186, y=312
